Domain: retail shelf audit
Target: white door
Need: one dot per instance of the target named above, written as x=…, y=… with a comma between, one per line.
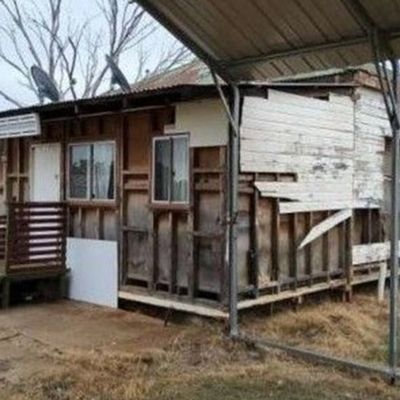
x=45, y=178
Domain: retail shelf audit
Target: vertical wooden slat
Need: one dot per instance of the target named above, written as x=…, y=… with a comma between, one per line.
x=349, y=255
x=119, y=195
x=369, y=225
x=152, y=251
x=100, y=223
x=308, y=249
x=294, y=252
x=6, y=166
x=254, y=261
x=19, y=172
x=325, y=250
x=64, y=158
x=81, y=225
x=192, y=262
x=122, y=199
x=173, y=278
x=275, y=239
x=9, y=228
x=342, y=246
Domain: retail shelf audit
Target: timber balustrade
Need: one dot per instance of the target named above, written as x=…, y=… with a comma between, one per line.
x=33, y=238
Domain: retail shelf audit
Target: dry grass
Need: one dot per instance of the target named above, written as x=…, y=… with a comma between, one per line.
x=358, y=330
x=201, y=363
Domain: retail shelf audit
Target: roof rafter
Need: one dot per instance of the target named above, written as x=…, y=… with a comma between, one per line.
x=304, y=50
x=360, y=14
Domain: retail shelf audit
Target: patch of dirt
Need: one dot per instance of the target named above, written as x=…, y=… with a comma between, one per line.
x=72, y=351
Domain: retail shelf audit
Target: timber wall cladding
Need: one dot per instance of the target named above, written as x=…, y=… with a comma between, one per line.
x=371, y=128
x=336, y=146
x=175, y=249
x=311, y=138
x=334, y=151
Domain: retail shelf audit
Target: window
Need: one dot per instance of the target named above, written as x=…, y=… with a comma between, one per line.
x=171, y=169
x=91, y=171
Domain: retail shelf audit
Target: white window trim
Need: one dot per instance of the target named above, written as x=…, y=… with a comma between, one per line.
x=89, y=172
x=153, y=169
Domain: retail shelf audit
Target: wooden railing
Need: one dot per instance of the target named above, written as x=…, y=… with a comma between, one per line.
x=35, y=237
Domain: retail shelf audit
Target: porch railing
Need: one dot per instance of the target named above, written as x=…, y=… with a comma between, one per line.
x=33, y=237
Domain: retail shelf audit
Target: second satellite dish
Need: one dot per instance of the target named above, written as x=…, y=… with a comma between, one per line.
x=117, y=77
x=45, y=84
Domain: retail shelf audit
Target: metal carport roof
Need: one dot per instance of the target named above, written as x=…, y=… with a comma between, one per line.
x=245, y=40
x=264, y=39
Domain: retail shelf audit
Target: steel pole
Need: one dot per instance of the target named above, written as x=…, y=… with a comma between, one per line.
x=232, y=217
x=394, y=248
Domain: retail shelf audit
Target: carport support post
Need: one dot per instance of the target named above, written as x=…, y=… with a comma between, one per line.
x=233, y=114
x=233, y=182
x=394, y=248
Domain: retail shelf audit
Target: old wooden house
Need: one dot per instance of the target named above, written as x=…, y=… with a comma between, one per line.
x=129, y=192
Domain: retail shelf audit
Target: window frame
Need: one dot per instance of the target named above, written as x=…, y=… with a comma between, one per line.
x=170, y=202
x=90, y=145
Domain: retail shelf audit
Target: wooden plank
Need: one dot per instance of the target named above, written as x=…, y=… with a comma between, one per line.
x=371, y=253
x=172, y=304
x=14, y=263
x=28, y=213
x=308, y=251
x=348, y=256
x=289, y=294
x=34, y=253
x=306, y=191
x=293, y=245
x=173, y=278
x=291, y=207
x=152, y=240
x=27, y=229
x=275, y=241
x=29, y=205
x=325, y=226
x=26, y=236
x=325, y=248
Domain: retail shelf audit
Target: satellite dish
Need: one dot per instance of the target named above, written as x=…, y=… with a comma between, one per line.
x=45, y=85
x=117, y=77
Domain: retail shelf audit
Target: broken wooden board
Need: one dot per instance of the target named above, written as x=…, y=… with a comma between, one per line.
x=325, y=226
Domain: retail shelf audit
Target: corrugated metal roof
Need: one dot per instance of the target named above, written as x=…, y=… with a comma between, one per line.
x=192, y=73
x=265, y=39
x=173, y=89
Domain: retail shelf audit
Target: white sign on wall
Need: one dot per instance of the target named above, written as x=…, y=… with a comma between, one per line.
x=21, y=125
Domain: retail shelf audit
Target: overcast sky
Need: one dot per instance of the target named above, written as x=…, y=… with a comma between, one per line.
x=78, y=10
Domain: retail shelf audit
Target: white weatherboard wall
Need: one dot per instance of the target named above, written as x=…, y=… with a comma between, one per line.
x=205, y=120
x=371, y=127
x=311, y=138
x=94, y=271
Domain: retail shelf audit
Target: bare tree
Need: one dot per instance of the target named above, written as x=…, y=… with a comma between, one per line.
x=72, y=53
